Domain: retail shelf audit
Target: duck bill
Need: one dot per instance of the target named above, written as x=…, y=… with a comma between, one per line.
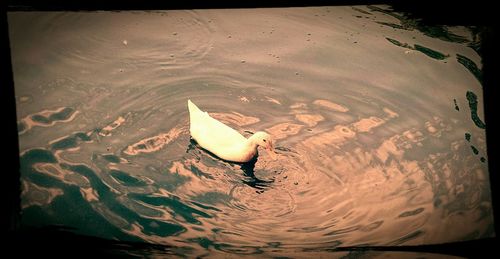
x=271, y=152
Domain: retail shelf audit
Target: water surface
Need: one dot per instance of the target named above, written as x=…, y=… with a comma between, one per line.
x=378, y=123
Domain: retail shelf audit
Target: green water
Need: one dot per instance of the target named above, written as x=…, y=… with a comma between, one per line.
x=473, y=105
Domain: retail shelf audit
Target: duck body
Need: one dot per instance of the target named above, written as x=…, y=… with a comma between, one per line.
x=222, y=140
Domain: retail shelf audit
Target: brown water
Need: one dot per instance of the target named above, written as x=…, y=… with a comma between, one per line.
x=370, y=121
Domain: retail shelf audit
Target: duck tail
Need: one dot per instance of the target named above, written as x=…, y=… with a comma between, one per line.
x=194, y=111
x=192, y=107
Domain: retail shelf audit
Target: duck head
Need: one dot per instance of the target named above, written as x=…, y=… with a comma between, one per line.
x=264, y=140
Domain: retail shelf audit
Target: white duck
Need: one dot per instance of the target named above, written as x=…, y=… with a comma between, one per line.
x=222, y=140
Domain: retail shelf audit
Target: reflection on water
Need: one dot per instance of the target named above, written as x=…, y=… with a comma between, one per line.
x=377, y=120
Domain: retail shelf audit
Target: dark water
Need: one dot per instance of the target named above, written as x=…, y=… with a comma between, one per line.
x=378, y=122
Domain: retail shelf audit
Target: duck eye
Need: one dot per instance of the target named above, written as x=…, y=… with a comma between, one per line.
x=264, y=140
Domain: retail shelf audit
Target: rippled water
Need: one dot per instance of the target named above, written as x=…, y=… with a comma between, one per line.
x=378, y=122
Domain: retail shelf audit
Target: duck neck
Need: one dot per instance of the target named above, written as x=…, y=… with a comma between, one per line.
x=251, y=143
